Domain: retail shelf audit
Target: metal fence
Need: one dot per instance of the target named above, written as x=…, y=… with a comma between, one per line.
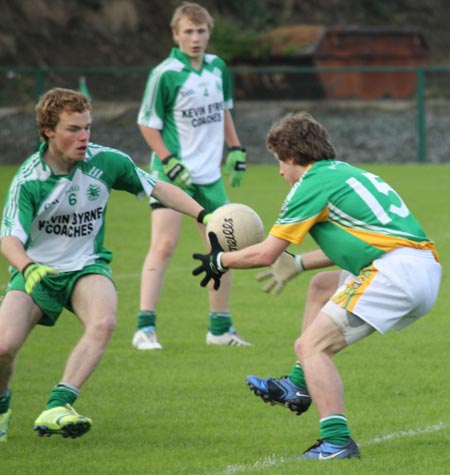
x=426, y=102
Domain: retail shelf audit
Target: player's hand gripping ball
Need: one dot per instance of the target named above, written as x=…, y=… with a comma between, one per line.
x=236, y=226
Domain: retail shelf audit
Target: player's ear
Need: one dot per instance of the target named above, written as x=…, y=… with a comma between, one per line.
x=291, y=160
x=49, y=133
x=175, y=35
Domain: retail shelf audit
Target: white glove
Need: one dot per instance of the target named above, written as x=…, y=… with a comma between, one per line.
x=285, y=268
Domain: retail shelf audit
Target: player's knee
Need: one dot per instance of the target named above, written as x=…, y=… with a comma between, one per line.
x=304, y=348
x=7, y=352
x=103, y=325
x=312, y=344
x=299, y=348
x=322, y=286
x=164, y=248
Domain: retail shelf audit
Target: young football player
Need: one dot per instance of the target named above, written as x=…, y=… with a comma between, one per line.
x=185, y=118
x=52, y=234
x=390, y=273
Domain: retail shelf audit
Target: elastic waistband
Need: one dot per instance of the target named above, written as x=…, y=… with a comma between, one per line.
x=409, y=251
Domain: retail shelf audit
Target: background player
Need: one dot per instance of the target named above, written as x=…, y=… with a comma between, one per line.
x=185, y=118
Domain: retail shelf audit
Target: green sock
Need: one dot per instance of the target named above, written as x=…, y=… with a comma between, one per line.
x=61, y=395
x=4, y=401
x=219, y=322
x=297, y=376
x=146, y=318
x=334, y=429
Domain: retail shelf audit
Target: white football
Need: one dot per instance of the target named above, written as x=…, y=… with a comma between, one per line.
x=236, y=226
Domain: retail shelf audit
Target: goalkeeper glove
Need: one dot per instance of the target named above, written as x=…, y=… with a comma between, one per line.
x=177, y=173
x=33, y=273
x=210, y=263
x=203, y=217
x=236, y=165
x=285, y=268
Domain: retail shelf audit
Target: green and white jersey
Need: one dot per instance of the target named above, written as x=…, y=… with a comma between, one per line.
x=187, y=106
x=353, y=215
x=60, y=219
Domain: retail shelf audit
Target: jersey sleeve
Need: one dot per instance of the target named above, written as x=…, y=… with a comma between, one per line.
x=129, y=177
x=18, y=211
x=151, y=112
x=227, y=86
x=305, y=205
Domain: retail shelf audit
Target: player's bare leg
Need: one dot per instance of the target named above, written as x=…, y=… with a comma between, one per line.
x=321, y=288
x=94, y=301
x=20, y=307
x=291, y=392
x=315, y=349
x=221, y=331
x=165, y=231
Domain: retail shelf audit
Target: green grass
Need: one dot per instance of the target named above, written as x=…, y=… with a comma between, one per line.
x=186, y=409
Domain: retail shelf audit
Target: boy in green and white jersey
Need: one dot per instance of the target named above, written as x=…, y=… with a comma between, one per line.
x=185, y=118
x=390, y=273
x=52, y=233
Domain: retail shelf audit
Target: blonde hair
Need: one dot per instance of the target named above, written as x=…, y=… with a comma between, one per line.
x=301, y=137
x=194, y=12
x=53, y=103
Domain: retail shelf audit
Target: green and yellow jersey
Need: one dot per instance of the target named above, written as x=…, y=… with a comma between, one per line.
x=353, y=215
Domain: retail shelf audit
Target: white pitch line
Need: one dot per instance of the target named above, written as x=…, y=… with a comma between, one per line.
x=405, y=433
x=273, y=460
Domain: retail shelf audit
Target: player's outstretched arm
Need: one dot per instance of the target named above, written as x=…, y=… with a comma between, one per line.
x=175, y=198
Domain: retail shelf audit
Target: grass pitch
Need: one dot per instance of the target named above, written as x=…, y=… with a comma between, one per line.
x=186, y=409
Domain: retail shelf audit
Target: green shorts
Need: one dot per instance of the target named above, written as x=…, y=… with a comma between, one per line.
x=210, y=196
x=53, y=293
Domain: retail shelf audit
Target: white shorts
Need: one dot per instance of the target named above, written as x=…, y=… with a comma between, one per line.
x=394, y=291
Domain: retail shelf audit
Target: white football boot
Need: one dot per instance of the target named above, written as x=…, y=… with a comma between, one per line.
x=230, y=338
x=146, y=340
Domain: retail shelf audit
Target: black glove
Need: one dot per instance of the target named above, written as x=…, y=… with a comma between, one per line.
x=210, y=263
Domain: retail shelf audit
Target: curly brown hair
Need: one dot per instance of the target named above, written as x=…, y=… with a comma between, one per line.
x=53, y=103
x=301, y=137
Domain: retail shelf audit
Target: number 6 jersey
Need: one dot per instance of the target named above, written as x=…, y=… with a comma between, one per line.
x=60, y=219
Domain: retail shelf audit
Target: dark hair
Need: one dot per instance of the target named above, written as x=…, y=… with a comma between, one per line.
x=53, y=103
x=301, y=137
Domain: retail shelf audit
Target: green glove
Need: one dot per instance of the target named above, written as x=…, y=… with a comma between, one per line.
x=235, y=165
x=34, y=273
x=178, y=174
